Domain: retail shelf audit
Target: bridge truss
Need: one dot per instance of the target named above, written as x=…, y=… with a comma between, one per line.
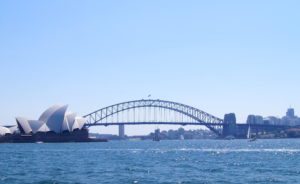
x=148, y=111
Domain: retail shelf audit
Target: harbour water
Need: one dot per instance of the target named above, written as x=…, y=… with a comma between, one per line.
x=195, y=161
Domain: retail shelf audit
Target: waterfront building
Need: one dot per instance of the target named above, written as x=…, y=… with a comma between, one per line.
x=290, y=119
x=55, y=119
x=290, y=113
x=259, y=120
x=156, y=135
x=54, y=125
x=272, y=120
x=251, y=119
x=254, y=119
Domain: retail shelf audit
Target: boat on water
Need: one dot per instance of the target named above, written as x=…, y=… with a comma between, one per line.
x=181, y=137
x=251, y=139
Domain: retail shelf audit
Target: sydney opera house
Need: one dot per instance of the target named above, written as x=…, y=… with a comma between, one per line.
x=54, y=125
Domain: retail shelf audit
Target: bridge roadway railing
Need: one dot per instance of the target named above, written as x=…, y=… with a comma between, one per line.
x=153, y=123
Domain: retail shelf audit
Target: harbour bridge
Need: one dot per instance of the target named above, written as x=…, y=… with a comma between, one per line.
x=153, y=112
x=162, y=112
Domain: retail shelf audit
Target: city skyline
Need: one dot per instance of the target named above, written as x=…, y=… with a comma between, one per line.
x=219, y=57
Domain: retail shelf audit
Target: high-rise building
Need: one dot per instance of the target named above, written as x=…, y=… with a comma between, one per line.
x=272, y=120
x=156, y=135
x=254, y=119
x=251, y=119
x=290, y=113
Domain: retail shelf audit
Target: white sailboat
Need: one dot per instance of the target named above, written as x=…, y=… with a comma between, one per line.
x=249, y=134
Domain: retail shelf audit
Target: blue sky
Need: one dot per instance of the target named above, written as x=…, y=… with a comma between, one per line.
x=219, y=56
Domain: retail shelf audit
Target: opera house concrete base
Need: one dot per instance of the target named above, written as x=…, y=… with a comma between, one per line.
x=50, y=137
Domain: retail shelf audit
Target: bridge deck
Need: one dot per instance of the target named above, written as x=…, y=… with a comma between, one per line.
x=154, y=123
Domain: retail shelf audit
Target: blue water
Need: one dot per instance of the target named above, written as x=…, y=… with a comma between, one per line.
x=196, y=161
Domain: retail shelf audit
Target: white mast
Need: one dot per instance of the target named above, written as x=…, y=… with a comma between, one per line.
x=249, y=132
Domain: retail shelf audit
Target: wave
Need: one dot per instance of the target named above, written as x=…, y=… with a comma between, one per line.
x=136, y=150
x=222, y=150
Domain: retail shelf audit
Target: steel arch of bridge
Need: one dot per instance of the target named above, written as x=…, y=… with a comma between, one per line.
x=215, y=124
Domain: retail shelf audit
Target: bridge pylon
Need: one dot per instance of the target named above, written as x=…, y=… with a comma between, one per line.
x=229, y=127
x=122, y=131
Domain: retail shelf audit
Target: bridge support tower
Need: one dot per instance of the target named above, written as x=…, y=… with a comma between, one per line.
x=229, y=127
x=122, y=131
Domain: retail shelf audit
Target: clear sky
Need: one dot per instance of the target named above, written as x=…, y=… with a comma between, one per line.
x=218, y=56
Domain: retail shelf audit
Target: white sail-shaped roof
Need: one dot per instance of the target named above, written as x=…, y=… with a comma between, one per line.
x=43, y=128
x=71, y=119
x=81, y=121
x=78, y=123
x=35, y=125
x=65, y=125
x=4, y=130
x=53, y=119
x=75, y=125
x=23, y=125
x=13, y=129
x=56, y=119
x=46, y=115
